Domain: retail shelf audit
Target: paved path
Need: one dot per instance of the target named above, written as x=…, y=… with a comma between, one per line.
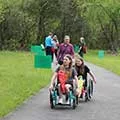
x=105, y=105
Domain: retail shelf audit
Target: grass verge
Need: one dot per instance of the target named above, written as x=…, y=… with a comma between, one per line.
x=110, y=62
x=19, y=79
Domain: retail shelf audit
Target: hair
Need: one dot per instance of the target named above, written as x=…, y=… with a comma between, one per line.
x=67, y=37
x=54, y=36
x=80, y=69
x=69, y=71
x=81, y=38
x=50, y=33
x=70, y=58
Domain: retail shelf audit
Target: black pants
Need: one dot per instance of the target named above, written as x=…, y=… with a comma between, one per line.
x=48, y=50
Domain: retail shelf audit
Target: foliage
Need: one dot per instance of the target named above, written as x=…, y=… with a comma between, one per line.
x=27, y=22
x=103, y=16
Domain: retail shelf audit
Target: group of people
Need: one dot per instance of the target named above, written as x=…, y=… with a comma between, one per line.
x=68, y=72
x=52, y=46
x=71, y=74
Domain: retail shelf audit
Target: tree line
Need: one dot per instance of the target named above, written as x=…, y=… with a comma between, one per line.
x=26, y=22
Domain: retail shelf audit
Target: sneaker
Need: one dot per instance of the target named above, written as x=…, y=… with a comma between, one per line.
x=60, y=101
x=67, y=102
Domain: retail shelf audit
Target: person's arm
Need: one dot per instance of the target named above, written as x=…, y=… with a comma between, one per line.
x=51, y=42
x=57, y=43
x=59, y=51
x=80, y=47
x=72, y=51
x=93, y=77
x=53, y=80
x=77, y=85
x=76, y=81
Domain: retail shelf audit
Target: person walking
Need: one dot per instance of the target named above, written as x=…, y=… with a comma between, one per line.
x=82, y=47
x=55, y=45
x=65, y=48
x=48, y=44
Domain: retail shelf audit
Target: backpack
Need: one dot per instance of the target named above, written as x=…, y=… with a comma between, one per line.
x=85, y=49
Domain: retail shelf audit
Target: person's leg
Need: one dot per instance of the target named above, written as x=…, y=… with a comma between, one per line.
x=67, y=86
x=46, y=50
x=60, y=94
x=52, y=54
x=56, y=53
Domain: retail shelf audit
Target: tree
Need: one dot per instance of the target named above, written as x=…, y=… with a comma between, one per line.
x=103, y=16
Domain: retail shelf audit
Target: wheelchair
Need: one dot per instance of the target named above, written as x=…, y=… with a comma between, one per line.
x=71, y=96
x=86, y=91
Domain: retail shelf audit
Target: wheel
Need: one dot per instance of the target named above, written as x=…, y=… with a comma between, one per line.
x=72, y=99
x=90, y=89
x=86, y=97
x=51, y=102
x=74, y=104
x=77, y=101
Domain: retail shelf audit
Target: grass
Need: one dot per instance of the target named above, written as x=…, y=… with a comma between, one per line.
x=110, y=62
x=19, y=79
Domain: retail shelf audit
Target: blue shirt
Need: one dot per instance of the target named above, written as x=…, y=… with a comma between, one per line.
x=48, y=41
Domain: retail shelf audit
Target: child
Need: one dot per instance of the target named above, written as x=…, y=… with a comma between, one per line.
x=83, y=70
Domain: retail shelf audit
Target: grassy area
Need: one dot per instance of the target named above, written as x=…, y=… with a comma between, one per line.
x=110, y=62
x=19, y=79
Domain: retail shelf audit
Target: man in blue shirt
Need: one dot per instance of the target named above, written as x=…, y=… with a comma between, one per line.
x=48, y=44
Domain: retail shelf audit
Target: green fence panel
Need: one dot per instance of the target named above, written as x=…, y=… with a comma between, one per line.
x=42, y=61
x=101, y=53
x=37, y=49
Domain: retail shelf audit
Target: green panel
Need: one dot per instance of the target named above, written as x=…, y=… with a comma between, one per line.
x=101, y=53
x=42, y=61
x=37, y=49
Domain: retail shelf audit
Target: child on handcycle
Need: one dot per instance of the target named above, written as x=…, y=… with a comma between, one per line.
x=66, y=76
x=82, y=71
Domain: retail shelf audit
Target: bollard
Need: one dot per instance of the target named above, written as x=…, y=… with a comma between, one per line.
x=42, y=61
x=101, y=53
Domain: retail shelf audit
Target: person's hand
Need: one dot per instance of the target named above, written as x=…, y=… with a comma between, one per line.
x=51, y=87
x=94, y=81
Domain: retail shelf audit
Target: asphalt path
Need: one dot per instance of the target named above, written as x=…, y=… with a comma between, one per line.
x=105, y=104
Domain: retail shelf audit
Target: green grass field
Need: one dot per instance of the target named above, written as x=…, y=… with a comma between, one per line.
x=110, y=62
x=19, y=79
